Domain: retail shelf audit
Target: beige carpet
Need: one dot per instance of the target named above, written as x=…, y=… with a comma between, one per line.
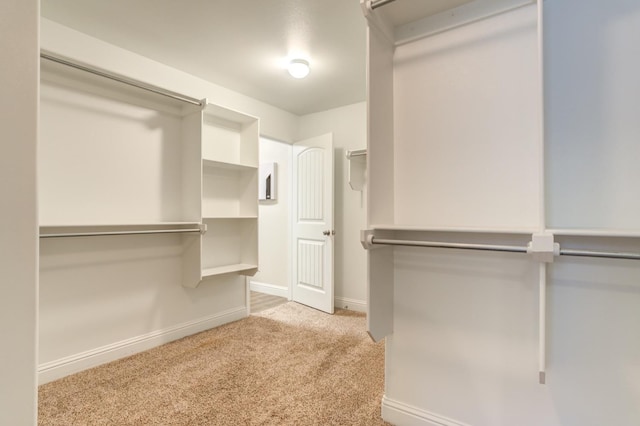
x=289, y=365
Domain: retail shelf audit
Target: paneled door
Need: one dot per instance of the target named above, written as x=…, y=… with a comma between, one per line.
x=313, y=222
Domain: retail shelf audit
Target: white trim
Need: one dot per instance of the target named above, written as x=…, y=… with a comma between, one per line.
x=351, y=304
x=291, y=214
x=272, y=289
x=62, y=367
x=398, y=413
x=453, y=18
x=247, y=294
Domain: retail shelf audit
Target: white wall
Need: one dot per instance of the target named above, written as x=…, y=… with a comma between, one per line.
x=593, y=97
x=101, y=299
x=274, y=270
x=18, y=215
x=348, y=125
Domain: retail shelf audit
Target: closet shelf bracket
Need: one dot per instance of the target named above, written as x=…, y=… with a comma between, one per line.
x=357, y=168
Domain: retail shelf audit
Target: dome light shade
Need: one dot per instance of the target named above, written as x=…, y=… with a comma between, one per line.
x=298, y=68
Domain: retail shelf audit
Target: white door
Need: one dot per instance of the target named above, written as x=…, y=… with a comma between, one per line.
x=313, y=222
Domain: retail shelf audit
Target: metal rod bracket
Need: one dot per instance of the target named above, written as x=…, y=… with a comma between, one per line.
x=543, y=248
x=366, y=239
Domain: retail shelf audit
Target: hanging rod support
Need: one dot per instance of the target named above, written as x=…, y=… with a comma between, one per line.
x=379, y=3
x=124, y=80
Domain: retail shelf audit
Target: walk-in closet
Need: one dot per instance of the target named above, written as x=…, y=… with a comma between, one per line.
x=469, y=182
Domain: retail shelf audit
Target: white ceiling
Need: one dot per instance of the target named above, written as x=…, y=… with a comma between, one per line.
x=240, y=44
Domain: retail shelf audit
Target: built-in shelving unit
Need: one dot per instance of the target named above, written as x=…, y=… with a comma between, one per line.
x=121, y=158
x=117, y=159
x=435, y=150
x=485, y=134
x=229, y=192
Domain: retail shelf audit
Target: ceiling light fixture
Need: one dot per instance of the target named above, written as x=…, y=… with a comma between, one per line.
x=298, y=68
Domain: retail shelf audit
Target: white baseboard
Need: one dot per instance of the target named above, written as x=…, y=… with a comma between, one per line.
x=401, y=414
x=62, y=367
x=274, y=290
x=351, y=304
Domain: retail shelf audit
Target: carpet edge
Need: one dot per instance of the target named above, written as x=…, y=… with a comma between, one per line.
x=56, y=369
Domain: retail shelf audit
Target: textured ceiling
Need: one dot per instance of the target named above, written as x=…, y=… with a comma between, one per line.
x=240, y=44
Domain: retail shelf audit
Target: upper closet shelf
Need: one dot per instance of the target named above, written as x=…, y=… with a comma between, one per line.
x=403, y=21
x=569, y=232
x=629, y=233
x=471, y=230
x=227, y=165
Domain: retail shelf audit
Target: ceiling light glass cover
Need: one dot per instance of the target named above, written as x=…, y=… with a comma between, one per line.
x=298, y=68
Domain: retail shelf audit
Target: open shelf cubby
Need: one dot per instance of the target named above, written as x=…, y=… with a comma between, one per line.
x=230, y=245
x=229, y=190
x=229, y=137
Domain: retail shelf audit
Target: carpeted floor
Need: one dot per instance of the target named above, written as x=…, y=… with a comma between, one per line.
x=289, y=365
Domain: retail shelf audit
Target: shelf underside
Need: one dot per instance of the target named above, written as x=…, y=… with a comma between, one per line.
x=242, y=268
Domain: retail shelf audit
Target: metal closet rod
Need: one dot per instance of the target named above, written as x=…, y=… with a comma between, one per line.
x=95, y=234
x=379, y=3
x=124, y=80
x=602, y=254
x=512, y=249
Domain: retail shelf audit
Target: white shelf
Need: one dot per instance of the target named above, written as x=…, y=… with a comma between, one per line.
x=116, y=225
x=214, y=217
x=595, y=232
x=386, y=227
x=108, y=226
x=228, y=269
x=225, y=165
x=404, y=22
